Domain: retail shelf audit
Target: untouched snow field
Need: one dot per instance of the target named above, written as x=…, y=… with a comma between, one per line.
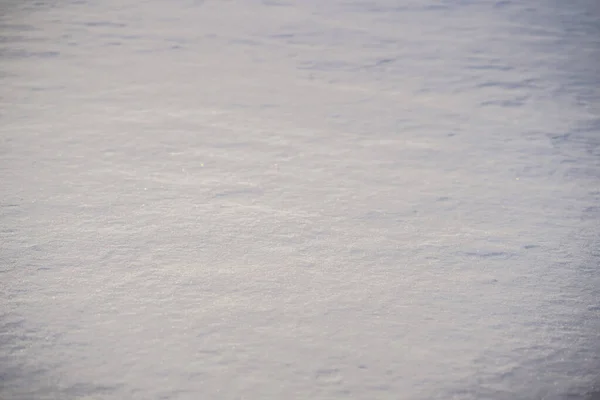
x=243, y=199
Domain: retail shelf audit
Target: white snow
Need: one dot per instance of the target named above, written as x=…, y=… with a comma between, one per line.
x=337, y=199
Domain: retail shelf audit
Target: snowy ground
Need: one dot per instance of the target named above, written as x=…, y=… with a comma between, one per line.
x=243, y=199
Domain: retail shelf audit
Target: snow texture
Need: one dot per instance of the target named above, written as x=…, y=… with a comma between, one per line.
x=243, y=199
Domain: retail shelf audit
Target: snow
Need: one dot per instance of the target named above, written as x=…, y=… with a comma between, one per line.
x=276, y=199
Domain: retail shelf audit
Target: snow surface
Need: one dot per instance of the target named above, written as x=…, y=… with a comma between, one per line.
x=243, y=199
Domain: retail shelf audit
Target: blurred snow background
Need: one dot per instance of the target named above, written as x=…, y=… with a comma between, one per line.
x=299, y=199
